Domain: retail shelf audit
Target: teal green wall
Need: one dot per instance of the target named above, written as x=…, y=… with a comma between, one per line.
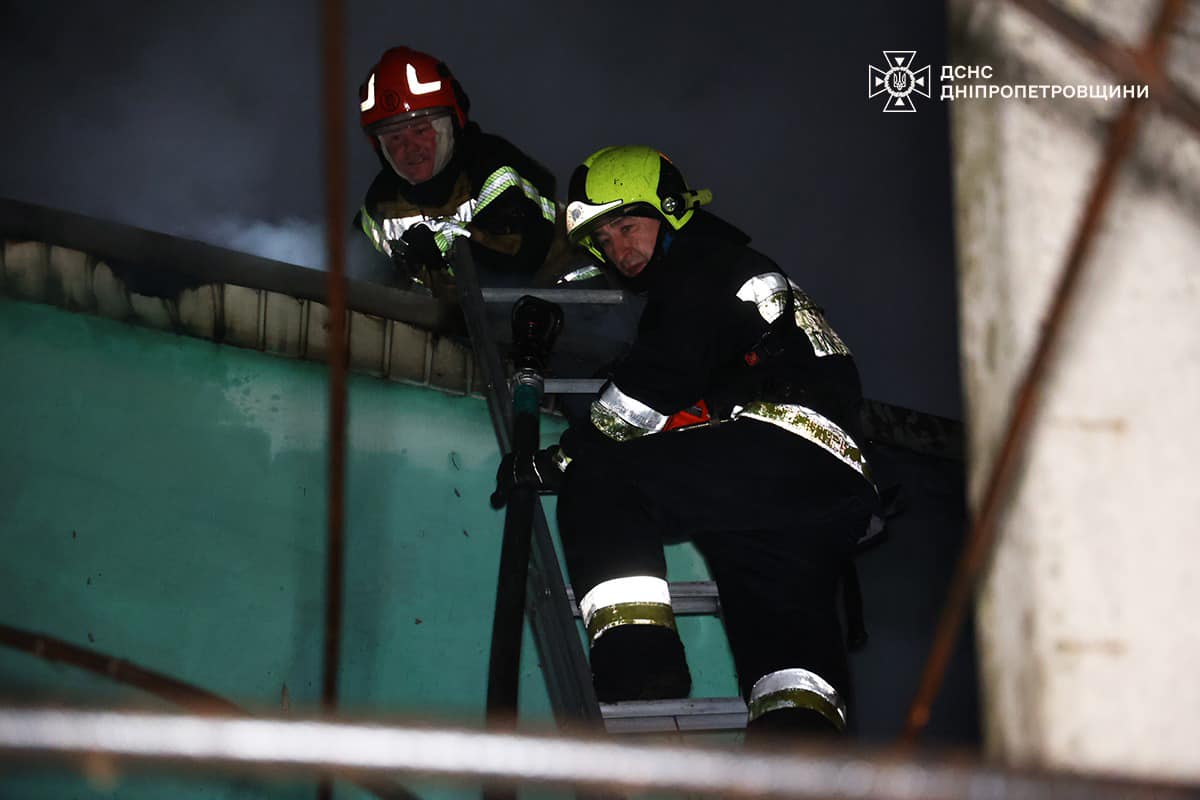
x=162, y=500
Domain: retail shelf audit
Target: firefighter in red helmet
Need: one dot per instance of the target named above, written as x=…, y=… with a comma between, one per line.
x=443, y=178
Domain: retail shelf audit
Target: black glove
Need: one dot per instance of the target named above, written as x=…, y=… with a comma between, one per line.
x=421, y=249
x=543, y=473
x=406, y=273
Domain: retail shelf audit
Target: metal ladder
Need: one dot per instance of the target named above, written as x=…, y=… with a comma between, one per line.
x=550, y=605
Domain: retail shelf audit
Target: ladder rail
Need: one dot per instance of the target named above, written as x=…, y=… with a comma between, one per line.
x=568, y=676
x=550, y=603
x=560, y=296
x=681, y=715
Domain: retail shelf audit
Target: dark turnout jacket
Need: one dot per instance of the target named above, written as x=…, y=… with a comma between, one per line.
x=710, y=300
x=489, y=191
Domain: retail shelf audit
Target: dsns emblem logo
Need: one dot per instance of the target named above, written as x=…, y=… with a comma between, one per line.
x=899, y=80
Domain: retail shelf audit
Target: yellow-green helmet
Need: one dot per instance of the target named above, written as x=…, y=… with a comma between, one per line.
x=622, y=180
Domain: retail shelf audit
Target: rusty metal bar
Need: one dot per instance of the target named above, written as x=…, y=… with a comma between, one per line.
x=180, y=693
x=1129, y=65
x=981, y=540
x=447, y=753
x=164, y=687
x=333, y=79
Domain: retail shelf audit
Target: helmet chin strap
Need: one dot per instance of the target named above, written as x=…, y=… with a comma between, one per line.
x=444, y=127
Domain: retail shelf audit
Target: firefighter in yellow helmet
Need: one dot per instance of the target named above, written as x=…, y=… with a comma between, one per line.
x=733, y=421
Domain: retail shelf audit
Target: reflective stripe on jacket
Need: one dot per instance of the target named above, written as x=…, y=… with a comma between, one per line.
x=712, y=300
x=447, y=228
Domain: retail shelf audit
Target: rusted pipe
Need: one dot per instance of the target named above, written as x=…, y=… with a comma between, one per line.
x=164, y=687
x=286, y=746
x=333, y=78
x=172, y=690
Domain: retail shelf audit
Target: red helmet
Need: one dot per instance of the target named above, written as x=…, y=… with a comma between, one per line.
x=407, y=83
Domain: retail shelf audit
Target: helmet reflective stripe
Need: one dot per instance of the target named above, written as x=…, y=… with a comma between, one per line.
x=414, y=83
x=797, y=688
x=769, y=292
x=637, y=600
x=369, y=103
x=622, y=417
x=808, y=424
x=506, y=178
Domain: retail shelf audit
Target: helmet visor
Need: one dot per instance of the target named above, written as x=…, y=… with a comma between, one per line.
x=593, y=217
x=405, y=118
x=583, y=217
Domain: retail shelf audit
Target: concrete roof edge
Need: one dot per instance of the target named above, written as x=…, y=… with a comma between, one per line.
x=193, y=263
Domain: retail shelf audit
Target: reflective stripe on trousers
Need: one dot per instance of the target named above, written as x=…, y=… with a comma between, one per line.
x=637, y=600
x=797, y=688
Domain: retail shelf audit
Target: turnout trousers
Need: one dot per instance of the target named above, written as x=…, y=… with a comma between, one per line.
x=773, y=515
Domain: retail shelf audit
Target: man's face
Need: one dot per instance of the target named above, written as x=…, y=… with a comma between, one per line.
x=627, y=243
x=412, y=149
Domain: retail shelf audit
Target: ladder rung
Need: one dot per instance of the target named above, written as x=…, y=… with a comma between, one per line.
x=687, y=597
x=575, y=296
x=573, y=385
x=673, y=716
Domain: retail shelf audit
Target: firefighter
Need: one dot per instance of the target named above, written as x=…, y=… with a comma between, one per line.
x=733, y=421
x=443, y=178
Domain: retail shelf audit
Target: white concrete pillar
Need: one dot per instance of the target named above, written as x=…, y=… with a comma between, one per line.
x=1089, y=616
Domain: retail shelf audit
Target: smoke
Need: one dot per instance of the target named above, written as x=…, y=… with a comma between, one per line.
x=293, y=240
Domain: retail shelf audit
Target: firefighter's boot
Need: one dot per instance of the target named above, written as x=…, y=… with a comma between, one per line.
x=639, y=662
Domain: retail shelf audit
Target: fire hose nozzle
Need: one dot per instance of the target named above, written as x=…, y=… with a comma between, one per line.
x=536, y=324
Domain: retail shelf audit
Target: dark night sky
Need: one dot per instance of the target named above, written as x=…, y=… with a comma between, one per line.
x=202, y=120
